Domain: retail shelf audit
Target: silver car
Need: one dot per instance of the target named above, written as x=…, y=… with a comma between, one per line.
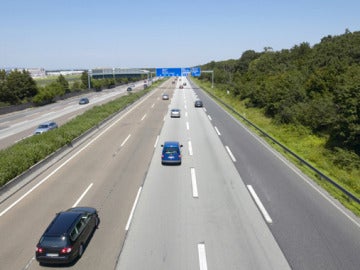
x=45, y=127
x=175, y=113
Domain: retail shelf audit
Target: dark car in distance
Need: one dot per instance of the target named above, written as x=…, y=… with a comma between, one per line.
x=67, y=236
x=171, y=153
x=198, y=103
x=83, y=101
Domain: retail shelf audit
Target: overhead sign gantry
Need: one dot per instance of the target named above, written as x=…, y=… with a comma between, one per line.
x=173, y=72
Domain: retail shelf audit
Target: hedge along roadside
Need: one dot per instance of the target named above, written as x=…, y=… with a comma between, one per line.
x=21, y=156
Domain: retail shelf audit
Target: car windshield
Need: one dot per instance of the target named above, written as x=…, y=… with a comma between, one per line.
x=171, y=150
x=44, y=126
x=54, y=241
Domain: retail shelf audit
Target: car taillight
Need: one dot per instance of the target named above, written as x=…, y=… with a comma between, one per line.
x=39, y=250
x=66, y=250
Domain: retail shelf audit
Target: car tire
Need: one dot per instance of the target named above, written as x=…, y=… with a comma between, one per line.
x=97, y=222
x=81, y=250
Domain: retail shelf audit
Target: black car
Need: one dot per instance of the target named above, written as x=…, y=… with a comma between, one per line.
x=198, y=103
x=66, y=237
x=129, y=89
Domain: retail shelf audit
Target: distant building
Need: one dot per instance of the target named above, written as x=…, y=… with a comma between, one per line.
x=36, y=72
x=64, y=72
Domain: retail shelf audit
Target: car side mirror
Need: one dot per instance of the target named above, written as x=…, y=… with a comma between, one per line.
x=162, y=145
x=181, y=145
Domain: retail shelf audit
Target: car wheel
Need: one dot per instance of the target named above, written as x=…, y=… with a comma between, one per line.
x=97, y=223
x=81, y=250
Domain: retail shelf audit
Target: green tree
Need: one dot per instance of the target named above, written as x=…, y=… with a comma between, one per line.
x=84, y=79
x=64, y=83
x=21, y=85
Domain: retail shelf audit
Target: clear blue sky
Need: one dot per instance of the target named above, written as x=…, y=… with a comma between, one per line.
x=60, y=34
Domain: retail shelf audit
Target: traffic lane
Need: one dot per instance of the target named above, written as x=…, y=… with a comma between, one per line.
x=159, y=233
x=242, y=236
x=308, y=226
x=169, y=223
x=47, y=199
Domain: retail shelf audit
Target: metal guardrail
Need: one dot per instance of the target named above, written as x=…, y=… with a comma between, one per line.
x=319, y=173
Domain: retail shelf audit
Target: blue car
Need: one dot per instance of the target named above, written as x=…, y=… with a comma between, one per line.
x=171, y=153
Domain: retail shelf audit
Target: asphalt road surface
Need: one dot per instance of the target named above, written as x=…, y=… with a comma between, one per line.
x=233, y=203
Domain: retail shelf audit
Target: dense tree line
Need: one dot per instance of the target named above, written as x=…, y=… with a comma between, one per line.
x=317, y=87
x=18, y=87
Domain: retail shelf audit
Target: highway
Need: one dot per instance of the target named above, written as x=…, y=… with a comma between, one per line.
x=19, y=125
x=234, y=203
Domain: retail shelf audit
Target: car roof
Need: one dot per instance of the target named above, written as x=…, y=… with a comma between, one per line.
x=171, y=143
x=47, y=123
x=62, y=223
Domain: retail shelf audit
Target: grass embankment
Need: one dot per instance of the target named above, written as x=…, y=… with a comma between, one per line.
x=341, y=166
x=19, y=157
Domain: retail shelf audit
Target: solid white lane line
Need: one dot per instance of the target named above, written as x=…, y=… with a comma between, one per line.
x=193, y=183
x=152, y=106
x=259, y=204
x=202, y=256
x=126, y=139
x=82, y=195
x=29, y=263
x=133, y=209
x=187, y=126
x=209, y=117
x=143, y=117
x=156, y=141
x=230, y=153
x=190, y=149
x=217, y=131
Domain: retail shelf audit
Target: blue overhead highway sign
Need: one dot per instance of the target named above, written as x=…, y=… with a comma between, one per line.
x=195, y=71
x=173, y=72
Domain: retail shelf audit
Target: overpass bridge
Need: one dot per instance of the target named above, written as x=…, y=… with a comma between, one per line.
x=103, y=73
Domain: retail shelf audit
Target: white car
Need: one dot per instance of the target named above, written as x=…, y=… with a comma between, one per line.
x=175, y=113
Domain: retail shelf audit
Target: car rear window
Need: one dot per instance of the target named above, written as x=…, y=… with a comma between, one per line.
x=54, y=241
x=171, y=150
